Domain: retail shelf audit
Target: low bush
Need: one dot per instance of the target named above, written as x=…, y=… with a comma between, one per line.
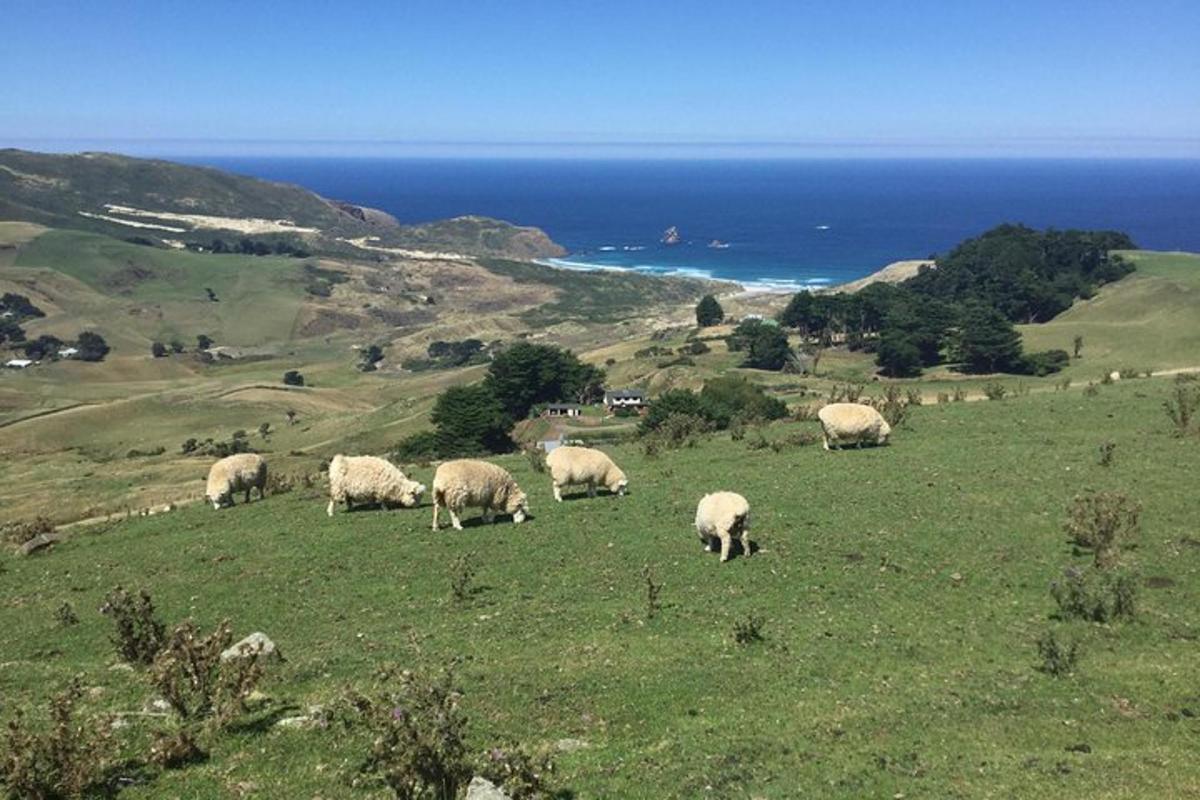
x=1057, y=659
x=139, y=634
x=18, y=533
x=748, y=630
x=675, y=432
x=1107, y=452
x=994, y=390
x=190, y=676
x=1181, y=407
x=1103, y=522
x=1095, y=595
x=70, y=759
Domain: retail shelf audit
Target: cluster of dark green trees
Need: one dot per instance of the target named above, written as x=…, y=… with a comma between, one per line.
x=91, y=347
x=250, y=247
x=476, y=419
x=15, y=309
x=447, y=355
x=963, y=310
x=719, y=403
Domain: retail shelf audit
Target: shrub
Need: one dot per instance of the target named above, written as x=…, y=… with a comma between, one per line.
x=653, y=590
x=1107, y=451
x=419, y=447
x=1181, y=407
x=846, y=393
x=748, y=630
x=518, y=773
x=1090, y=390
x=536, y=457
x=1057, y=659
x=154, y=451
x=994, y=390
x=1077, y=346
x=1094, y=595
x=92, y=346
x=695, y=348
x=65, y=615
x=943, y=397
x=1103, y=522
x=1106, y=379
x=139, y=634
x=18, y=533
x=69, y=760
x=293, y=378
x=913, y=397
x=1063, y=385
x=677, y=431
x=159, y=350
x=1046, y=362
x=960, y=395
x=803, y=438
x=709, y=312
x=189, y=674
x=890, y=406
x=418, y=735
x=721, y=399
x=462, y=575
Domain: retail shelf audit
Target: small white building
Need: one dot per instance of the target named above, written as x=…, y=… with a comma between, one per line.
x=19, y=363
x=563, y=410
x=624, y=398
x=68, y=352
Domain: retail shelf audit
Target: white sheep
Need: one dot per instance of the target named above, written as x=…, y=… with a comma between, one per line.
x=572, y=466
x=470, y=483
x=852, y=423
x=237, y=473
x=723, y=515
x=367, y=479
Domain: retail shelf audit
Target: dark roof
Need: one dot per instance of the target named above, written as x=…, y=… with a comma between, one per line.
x=628, y=394
x=562, y=406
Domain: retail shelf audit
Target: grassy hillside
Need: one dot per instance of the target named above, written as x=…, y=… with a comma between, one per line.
x=1148, y=320
x=900, y=592
x=72, y=191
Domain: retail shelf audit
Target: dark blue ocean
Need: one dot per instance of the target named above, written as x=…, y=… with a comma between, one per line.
x=786, y=223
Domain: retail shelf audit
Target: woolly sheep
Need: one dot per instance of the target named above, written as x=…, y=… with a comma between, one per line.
x=367, y=479
x=236, y=473
x=723, y=515
x=470, y=483
x=571, y=466
x=852, y=423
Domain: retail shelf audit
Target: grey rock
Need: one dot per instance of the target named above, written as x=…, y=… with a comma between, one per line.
x=570, y=745
x=256, y=643
x=483, y=789
x=41, y=542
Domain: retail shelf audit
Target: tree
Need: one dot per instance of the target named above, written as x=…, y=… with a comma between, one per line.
x=176, y=346
x=204, y=341
x=898, y=355
x=43, y=346
x=293, y=378
x=158, y=350
x=10, y=331
x=92, y=346
x=988, y=342
x=527, y=374
x=470, y=420
x=264, y=430
x=370, y=357
x=766, y=346
x=1078, y=346
x=709, y=312
x=19, y=307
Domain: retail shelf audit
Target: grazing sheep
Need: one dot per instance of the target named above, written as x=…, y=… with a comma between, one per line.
x=852, y=423
x=722, y=515
x=571, y=466
x=367, y=479
x=236, y=473
x=467, y=482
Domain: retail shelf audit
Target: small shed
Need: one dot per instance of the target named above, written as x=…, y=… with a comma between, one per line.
x=68, y=352
x=18, y=363
x=563, y=410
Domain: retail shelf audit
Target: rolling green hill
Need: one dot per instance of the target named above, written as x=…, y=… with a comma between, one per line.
x=76, y=191
x=1147, y=320
x=898, y=591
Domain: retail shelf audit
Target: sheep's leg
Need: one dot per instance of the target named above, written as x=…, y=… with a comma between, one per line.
x=591, y=488
x=248, y=494
x=746, y=541
x=435, y=511
x=329, y=509
x=557, y=493
x=825, y=443
x=454, y=520
x=726, y=543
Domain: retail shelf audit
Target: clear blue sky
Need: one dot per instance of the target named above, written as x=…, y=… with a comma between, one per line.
x=906, y=77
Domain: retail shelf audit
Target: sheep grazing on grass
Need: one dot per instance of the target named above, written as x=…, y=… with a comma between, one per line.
x=367, y=479
x=723, y=515
x=470, y=483
x=573, y=466
x=852, y=423
x=236, y=473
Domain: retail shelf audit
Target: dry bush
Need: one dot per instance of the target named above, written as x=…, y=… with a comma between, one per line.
x=748, y=631
x=943, y=397
x=1057, y=659
x=190, y=675
x=18, y=533
x=537, y=459
x=994, y=390
x=174, y=749
x=675, y=432
x=1103, y=522
x=846, y=392
x=139, y=635
x=892, y=406
x=960, y=396
x=70, y=759
x=1181, y=407
x=1063, y=385
x=804, y=413
x=518, y=773
x=1108, y=451
x=418, y=735
x=65, y=615
x=653, y=591
x=913, y=397
x=462, y=575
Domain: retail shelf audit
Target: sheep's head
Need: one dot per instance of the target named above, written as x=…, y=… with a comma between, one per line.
x=885, y=431
x=218, y=500
x=517, y=505
x=617, y=482
x=410, y=494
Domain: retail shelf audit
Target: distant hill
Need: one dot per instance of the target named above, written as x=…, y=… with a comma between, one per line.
x=177, y=204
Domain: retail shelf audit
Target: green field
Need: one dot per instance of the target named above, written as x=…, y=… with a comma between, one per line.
x=901, y=591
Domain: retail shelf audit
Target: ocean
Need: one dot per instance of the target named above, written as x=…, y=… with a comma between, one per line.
x=770, y=224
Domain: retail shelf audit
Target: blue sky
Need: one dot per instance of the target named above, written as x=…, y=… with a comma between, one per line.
x=836, y=78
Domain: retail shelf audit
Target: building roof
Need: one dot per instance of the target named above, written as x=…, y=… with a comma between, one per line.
x=20, y=363
x=625, y=394
x=562, y=406
x=69, y=351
